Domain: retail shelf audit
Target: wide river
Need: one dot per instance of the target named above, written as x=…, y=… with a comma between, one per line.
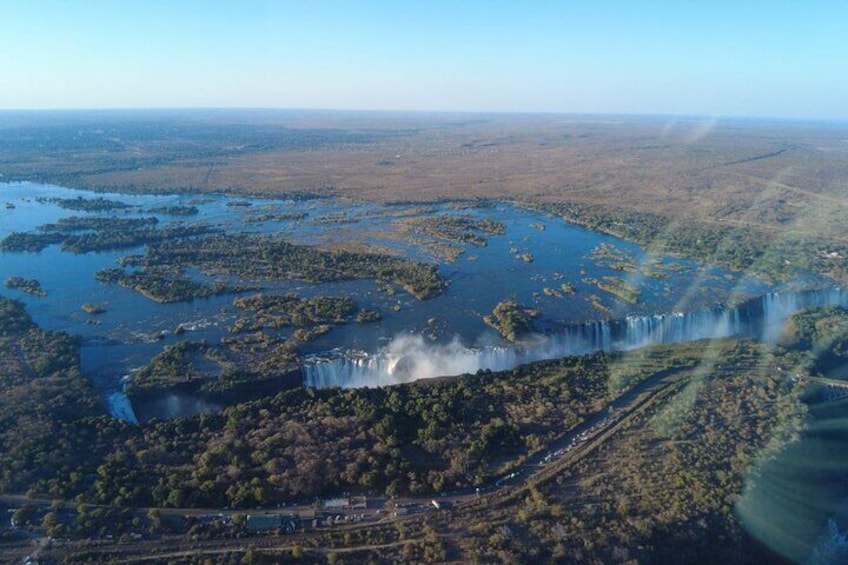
x=541, y=261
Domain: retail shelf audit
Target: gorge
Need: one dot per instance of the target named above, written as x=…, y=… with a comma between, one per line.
x=408, y=357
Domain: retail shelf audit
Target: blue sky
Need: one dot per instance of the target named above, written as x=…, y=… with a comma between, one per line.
x=718, y=58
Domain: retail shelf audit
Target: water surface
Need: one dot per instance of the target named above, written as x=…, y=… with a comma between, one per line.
x=134, y=328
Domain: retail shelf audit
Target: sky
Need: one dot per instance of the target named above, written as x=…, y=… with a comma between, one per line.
x=756, y=58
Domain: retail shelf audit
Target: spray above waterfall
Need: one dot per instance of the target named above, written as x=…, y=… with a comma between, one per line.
x=409, y=357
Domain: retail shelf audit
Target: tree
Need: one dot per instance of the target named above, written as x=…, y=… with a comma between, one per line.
x=50, y=521
x=154, y=517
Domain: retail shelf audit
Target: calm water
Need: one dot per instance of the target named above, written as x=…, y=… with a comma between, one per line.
x=135, y=328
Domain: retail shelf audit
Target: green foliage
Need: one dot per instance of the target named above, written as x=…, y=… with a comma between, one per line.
x=93, y=308
x=29, y=286
x=459, y=229
x=175, y=210
x=87, y=234
x=365, y=316
x=412, y=439
x=667, y=421
x=13, y=318
x=98, y=223
x=737, y=248
x=256, y=257
x=29, y=242
x=86, y=204
x=164, y=286
x=646, y=494
x=820, y=336
x=619, y=287
x=273, y=311
x=666, y=497
x=46, y=408
x=123, y=238
x=511, y=320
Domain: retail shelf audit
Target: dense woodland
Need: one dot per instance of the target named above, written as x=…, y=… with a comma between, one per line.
x=512, y=320
x=662, y=490
x=86, y=235
x=457, y=229
x=47, y=408
x=818, y=337
x=88, y=204
x=667, y=484
x=417, y=438
x=754, y=251
x=164, y=285
x=271, y=311
x=257, y=257
x=29, y=286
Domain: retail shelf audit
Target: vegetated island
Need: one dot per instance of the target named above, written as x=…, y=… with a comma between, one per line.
x=93, y=308
x=272, y=258
x=311, y=317
x=175, y=210
x=98, y=223
x=86, y=204
x=20, y=242
x=275, y=216
x=108, y=240
x=564, y=289
x=527, y=257
x=618, y=287
x=29, y=286
x=513, y=321
x=444, y=235
x=274, y=311
x=166, y=285
x=459, y=229
x=97, y=234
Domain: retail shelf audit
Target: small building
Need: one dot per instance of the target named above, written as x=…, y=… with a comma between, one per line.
x=265, y=522
x=262, y=523
x=336, y=503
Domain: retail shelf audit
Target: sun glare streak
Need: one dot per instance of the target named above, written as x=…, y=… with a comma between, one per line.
x=701, y=130
x=667, y=128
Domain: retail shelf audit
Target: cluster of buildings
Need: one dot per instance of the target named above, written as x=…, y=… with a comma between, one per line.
x=334, y=511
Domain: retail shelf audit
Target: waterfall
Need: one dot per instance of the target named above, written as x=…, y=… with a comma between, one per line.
x=408, y=357
x=119, y=403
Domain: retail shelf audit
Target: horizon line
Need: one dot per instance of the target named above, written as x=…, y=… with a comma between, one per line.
x=672, y=115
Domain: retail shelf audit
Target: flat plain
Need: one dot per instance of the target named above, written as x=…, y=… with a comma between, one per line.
x=773, y=176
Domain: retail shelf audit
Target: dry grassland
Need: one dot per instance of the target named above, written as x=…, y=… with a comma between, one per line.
x=772, y=176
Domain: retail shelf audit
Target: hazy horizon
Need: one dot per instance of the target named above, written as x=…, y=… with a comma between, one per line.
x=414, y=113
